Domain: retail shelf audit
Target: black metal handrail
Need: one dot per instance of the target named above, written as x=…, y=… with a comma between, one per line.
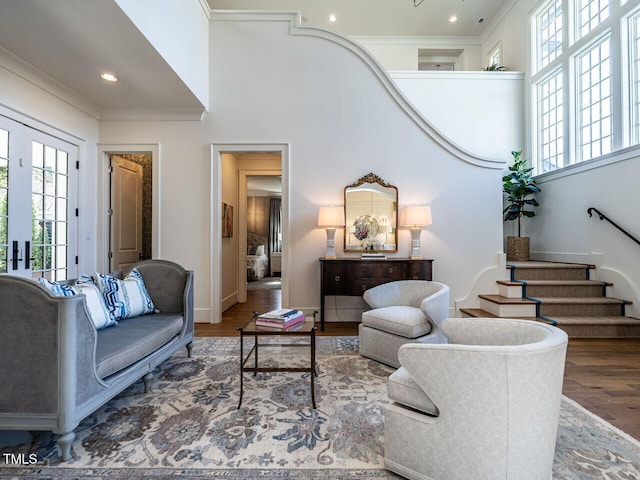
x=604, y=217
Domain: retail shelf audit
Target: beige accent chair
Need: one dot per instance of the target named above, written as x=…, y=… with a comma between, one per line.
x=405, y=311
x=485, y=406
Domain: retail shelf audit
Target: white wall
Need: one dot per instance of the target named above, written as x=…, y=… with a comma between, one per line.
x=229, y=245
x=179, y=31
x=401, y=53
x=509, y=27
x=480, y=111
x=341, y=123
x=33, y=99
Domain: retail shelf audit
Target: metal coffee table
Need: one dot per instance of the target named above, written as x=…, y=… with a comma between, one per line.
x=306, y=329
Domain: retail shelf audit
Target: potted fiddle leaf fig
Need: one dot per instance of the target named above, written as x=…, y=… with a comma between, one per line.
x=519, y=186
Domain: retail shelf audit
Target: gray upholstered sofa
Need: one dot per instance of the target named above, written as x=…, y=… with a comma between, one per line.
x=56, y=368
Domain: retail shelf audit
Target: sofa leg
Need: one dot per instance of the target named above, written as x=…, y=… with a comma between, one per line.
x=64, y=442
x=189, y=347
x=147, y=380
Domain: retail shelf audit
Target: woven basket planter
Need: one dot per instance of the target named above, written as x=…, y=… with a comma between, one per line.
x=518, y=249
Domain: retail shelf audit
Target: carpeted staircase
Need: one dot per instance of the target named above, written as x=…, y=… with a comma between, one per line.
x=560, y=294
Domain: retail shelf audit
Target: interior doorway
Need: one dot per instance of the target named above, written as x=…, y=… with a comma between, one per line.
x=148, y=155
x=231, y=164
x=130, y=209
x=264, y=232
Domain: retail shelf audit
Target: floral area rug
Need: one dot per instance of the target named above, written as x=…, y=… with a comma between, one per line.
x=189, y=426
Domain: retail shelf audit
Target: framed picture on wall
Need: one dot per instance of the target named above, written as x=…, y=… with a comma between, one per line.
x=227, y=220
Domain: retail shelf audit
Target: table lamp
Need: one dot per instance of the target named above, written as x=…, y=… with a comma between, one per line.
x=331, y=218
x=415, y=217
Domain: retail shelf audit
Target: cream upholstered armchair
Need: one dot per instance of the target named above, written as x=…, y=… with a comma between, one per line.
x=405, y=311
x=484, y=406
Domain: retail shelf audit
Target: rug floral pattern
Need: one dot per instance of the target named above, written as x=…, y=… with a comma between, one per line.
x=190, y=422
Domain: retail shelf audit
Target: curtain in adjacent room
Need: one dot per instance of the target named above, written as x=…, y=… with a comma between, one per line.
x=275, y=226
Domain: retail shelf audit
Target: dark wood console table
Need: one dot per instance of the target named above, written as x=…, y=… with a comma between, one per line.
x=353, y=276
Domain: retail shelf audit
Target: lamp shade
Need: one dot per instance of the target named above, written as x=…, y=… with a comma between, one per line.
x=415, y=216
x=331, y=217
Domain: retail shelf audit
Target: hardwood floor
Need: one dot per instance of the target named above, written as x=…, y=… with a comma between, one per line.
x=602, y=375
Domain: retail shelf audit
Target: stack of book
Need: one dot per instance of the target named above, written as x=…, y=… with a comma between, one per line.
x=281, y=318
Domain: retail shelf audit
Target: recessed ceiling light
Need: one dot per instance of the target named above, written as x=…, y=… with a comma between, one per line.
x=109, y=77
x=332, y=18
x=453, y=19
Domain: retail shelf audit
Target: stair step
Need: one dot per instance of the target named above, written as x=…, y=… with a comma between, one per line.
x=565, y=288
x=581, y=327
x=549, y=271
x=508, y=307
x=509, y=289
x=581, y=306
x=599, y=327
x=479, y=313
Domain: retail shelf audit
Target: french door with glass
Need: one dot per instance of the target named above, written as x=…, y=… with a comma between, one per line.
x=38, y=203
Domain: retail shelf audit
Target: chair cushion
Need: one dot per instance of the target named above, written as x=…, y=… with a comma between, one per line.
x=126, y=343
x=403, y=321
x=401, y=388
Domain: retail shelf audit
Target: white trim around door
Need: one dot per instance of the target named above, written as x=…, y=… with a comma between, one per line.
x=102, y=235
x=217, y=149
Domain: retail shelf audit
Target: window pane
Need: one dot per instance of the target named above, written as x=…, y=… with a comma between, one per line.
x=3, y=259
x=594, y=87
x=37, y=155
x=634, y=69
x=589, y=15
x=550, y=127
x=50, y=211
x=4, y=143
x=549, y=23
x=37, y=180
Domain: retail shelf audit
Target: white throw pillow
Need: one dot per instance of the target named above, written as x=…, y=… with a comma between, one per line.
x=125, y=298
x=98, y=311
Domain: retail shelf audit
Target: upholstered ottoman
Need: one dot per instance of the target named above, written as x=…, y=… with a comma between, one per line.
x=406, y=311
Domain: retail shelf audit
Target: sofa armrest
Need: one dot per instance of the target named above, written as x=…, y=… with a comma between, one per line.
x=47, y=343
x=170, y=287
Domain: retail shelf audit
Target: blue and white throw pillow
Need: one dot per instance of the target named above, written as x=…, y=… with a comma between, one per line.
x=95, y=302
x=57, y=289
x=125, y=298
x=96, y=307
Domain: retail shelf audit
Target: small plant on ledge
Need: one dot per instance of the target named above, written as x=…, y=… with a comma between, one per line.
x=494, y=67
x=518, y=185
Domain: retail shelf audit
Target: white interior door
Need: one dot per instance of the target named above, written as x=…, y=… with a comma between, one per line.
x=126, y=213
x=38, y=203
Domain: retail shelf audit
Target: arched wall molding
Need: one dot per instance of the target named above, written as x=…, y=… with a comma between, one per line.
x=295, y=28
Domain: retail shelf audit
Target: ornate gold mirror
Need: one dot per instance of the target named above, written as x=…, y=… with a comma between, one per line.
x=371, y=216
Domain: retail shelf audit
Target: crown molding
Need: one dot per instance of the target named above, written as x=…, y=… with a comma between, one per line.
x=191, y=114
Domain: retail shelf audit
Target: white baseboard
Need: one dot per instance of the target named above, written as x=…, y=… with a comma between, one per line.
x=202, y=315
x=568, y=257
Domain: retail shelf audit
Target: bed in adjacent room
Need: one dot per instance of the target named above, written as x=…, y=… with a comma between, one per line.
x=257, y=259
